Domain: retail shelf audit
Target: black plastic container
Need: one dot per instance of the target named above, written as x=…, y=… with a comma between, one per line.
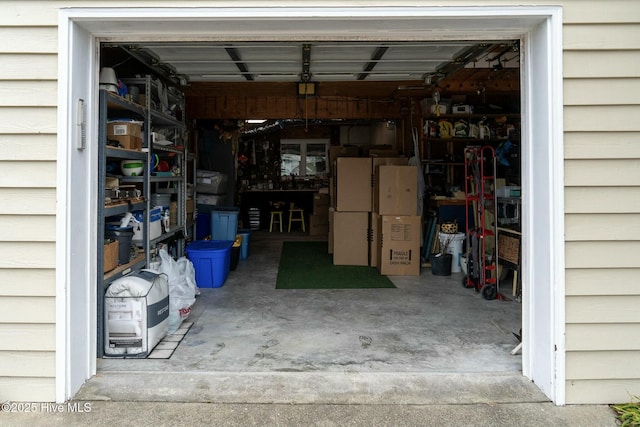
x=123, y=235
x=235, y=252
x=441, y=264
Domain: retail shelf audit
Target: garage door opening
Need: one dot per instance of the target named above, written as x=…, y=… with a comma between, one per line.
x=463, y=89
x=364, y=340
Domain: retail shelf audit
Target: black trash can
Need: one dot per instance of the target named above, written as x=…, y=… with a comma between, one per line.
x=441, y=264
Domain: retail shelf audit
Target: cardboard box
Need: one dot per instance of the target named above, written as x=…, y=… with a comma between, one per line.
x=339, y=151
x=383, y=152
x=127, y=141
x=379, y=161
x=124, y=129
x=396, y=190
x=350, y=238
x=332, y=192
x=111, y=255
x=330, y=242
x=321, y=204
x=319, y=225
x=353, y=187
x=399, y=246
x=111, y=182
x=374, y=239
x=190, y=205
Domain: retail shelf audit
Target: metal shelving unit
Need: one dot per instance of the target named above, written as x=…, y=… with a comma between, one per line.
x=112, y=105
x=161, y=104
x=445, y=155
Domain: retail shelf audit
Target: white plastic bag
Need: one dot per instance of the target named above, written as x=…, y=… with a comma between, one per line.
x=182, y=288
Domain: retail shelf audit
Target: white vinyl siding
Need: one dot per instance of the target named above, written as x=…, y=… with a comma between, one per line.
x=28, y=127
x=602, y=198
x=27, y=337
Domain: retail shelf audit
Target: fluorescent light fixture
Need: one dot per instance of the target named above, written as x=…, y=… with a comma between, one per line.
x=256, y=121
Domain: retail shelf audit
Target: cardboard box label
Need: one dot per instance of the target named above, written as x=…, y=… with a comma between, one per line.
x=401, y=232
x=120, y=130
x=400, y=257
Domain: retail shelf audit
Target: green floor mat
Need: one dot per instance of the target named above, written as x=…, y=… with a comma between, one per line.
x=308, y=265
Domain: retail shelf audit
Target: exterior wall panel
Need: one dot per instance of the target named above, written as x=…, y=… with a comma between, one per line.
x=35, y=39
x=601, y=64
x=27, y=364
x=590, y=227
x=35, y=282
x=602, y=337
x=612, y=200
x=21, y=66
x=28, y=389
x=602, y=145
x=602, y=281
x=21, y=93
x=602, y=254
x=28, y=145
x=602, y=221
x=592, y=92
x=27, y=337
x=605, y=365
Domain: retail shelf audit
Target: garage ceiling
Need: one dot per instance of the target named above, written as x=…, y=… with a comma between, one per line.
x=427, y=62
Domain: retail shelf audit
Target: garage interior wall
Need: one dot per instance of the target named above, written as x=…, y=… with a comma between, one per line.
x=602, y=195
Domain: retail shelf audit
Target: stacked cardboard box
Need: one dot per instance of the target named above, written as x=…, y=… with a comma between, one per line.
x=396, y=237
x=319, y=219
x=353, y=204
x=367, y=194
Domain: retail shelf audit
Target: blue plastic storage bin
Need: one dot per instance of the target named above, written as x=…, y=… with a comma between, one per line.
x=224, y=223
x=244, y=248
x=212, y=260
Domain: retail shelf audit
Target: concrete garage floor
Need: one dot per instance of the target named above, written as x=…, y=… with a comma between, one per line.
x=430, y=340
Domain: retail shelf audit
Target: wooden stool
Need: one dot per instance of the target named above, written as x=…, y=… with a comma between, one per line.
x=299, y=219
x=276, y=217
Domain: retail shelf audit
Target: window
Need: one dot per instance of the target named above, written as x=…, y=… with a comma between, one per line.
x=303, y=157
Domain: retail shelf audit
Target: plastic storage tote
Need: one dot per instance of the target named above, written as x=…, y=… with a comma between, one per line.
x=224, y=223
x=244, y=248
x=212, y=261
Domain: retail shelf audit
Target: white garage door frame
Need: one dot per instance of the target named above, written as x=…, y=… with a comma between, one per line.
x=540, y=32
